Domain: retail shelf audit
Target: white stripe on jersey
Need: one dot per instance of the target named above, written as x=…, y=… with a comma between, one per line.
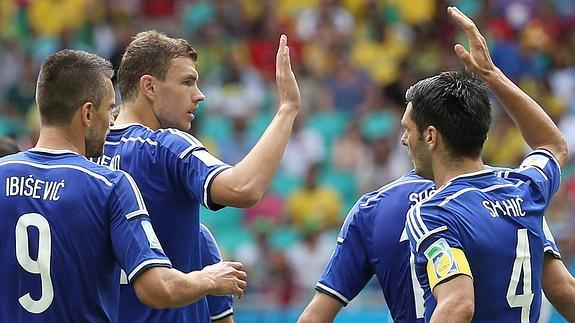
x=208, y=180
x=555, y=253
x=135, y=214
x=485, y=189
x=139, y=139
x=137, y=193
x=222, y=314
x=334, y=292
x=79, y=168
x=146, y=263
x=546, y=153
x=186, y=136
x=412, y=225
x=390, y=186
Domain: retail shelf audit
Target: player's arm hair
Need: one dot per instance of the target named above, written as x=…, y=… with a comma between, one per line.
x=321, y=309
x=244, y=184
x=161, y=287
x=559, y=287
x=455, y=300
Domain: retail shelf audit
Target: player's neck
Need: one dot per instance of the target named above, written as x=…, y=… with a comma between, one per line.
x=137, y=112
x=444, y=171
x=57, y=138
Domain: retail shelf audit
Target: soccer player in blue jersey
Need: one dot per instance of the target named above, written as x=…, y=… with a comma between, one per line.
x=373, y=241
x=68, y=225
x=158, y=83
x=220, y=307
x=482, y=249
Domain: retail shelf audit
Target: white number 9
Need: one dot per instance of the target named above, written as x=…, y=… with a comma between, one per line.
x=40, y=266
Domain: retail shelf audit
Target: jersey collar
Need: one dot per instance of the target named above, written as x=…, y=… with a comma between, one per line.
x=53, y=151
x=477, y=174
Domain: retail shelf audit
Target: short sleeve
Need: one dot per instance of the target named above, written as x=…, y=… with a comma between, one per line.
x=193, y=165
x=135, y=244
x=348, y=270
x=549, y=242
x=437, y=249
x=219, y=306
x=543, y=172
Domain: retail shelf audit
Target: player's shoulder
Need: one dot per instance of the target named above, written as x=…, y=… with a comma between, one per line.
x=398, y=191
x=174, y=140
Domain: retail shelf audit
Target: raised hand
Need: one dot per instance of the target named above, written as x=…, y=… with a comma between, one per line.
x=229, y=278
x=288, y=89
x=477, y=60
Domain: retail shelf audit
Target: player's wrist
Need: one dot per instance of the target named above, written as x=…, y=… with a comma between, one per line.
x=288, y=109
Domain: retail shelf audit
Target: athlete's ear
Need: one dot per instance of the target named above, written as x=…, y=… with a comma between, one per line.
x=147, y=86
x=431, y=136
x=87, y=114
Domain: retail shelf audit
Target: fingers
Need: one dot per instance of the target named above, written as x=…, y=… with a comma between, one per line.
x=281, y=50
x=462, y=54
x=468, y=26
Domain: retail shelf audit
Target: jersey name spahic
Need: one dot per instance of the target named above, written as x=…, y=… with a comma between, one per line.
x=494, y=221
x=372, y=241
x=65, y=225
x=174, y=172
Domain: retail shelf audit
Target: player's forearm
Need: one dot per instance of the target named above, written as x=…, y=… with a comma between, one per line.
x=250, y=178
x=559, y=286
x=452, y=312
x=535, y=125
x=167, y=288
x=321, y=309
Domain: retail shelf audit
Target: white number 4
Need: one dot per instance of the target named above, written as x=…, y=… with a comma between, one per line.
x=39, y=266
x=522, y=264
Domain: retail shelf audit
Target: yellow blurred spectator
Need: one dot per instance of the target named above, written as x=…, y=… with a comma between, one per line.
x=51, y=17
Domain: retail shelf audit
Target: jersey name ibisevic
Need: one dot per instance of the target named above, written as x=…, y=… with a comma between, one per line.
x=67, y=226
x=174, y=172
x=373, y=241
x=490, y=226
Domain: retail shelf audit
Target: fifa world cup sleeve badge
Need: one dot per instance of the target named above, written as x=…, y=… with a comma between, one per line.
x=444, y=261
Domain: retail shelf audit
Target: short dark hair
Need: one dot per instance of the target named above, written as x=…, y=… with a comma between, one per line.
x=150, y=52
x=457, y=104
x=8, y=146
x=68, y=79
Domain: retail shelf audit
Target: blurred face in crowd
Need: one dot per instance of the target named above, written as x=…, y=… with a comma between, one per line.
x=413, y=140
x=178, y=95
x=101, y=120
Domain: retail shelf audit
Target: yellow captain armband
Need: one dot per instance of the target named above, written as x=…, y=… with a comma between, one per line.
x=444, y=261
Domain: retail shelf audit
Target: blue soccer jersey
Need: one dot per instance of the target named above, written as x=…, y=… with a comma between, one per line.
x=373, y=241
x=174, y=172
x=490, y=226
x=65, y=225
x=219, y=306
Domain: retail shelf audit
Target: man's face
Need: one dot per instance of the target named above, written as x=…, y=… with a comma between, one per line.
x=101, y=123
x=418, y=153
x=178, y=95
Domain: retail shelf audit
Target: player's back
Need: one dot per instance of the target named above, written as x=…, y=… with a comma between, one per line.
x=496, y=219
x=373, y=242
x=58, y=263
x=174, y=172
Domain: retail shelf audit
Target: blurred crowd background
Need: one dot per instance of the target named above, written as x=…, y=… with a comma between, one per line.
x=354, y=59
